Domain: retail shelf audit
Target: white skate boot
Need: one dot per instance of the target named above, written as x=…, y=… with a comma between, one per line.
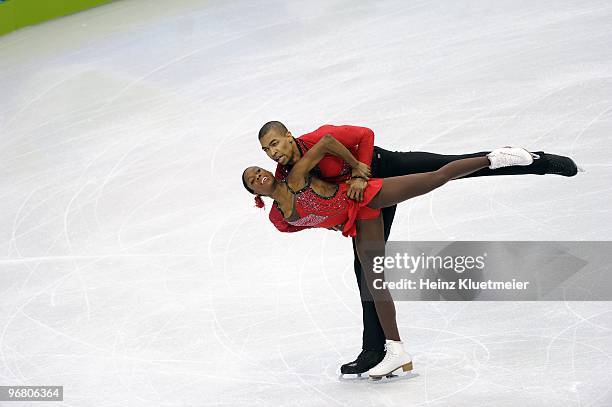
x=508, y=156
x=395, y=358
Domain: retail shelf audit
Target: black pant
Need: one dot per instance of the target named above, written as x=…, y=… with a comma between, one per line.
x=393, y=163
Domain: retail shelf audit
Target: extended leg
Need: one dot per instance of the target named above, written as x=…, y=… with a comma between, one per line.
x=398, y=189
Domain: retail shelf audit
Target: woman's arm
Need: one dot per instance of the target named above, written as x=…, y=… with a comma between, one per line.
x=326, y=145
x=277, y=219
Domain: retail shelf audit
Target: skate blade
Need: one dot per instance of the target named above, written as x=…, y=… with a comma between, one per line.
x=352, y=376
x=406, y=368
x=387, y=377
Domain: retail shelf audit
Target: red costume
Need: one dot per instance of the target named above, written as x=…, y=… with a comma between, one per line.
x=317, y=211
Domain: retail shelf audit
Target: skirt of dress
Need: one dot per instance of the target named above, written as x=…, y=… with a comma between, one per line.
x=360, y=210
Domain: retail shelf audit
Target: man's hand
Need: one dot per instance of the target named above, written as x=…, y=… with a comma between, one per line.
x=355, y=189
x=361, y=170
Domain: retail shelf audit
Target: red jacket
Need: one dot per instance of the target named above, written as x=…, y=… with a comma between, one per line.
x=359, y=141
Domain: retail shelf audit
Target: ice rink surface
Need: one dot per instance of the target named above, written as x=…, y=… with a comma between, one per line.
x=135, y=271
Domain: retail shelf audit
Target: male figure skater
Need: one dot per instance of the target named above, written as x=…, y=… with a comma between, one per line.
x=280, y=145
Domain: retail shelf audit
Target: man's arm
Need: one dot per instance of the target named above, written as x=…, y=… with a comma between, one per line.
x=359, y=137
x=352, y=137
x=363, y=139
x=326, y=145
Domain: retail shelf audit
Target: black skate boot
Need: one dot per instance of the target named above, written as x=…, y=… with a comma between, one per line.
x=366, y=360
x=561, y=165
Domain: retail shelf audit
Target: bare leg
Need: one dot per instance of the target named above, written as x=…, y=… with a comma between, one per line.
x=370, y=242
x=398, y=189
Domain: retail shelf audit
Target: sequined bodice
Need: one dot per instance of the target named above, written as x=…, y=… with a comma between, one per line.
x=313, y=209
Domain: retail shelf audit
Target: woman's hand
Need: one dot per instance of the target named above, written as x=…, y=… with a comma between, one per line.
x=361, y=170
x=356, y=188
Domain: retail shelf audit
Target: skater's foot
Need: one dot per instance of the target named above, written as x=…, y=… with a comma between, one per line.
x=395, y=358
x=366, y=360
x=509, y=156
x=560, y=165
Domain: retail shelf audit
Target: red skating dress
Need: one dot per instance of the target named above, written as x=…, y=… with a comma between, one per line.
x=314, y=210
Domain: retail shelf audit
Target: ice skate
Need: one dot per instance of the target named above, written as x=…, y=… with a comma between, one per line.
x=561, y=165
x=394, y=359
x=509, y=156
x=366, y=360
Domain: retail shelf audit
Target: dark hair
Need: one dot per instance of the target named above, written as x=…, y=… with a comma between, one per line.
x=245, y=184
x=258, y=201
x=273, y=125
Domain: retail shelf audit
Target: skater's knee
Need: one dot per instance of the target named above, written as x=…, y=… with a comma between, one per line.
x=439, y=178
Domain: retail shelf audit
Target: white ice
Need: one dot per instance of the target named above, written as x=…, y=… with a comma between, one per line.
x=134, y=270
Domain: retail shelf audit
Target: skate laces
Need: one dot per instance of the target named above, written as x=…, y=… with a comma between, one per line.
x=388, y=347
x=387, y=357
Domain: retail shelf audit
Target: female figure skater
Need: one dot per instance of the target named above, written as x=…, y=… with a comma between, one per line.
x=305, y=200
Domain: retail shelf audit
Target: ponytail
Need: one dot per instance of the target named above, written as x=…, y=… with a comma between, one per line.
x=259, y=202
